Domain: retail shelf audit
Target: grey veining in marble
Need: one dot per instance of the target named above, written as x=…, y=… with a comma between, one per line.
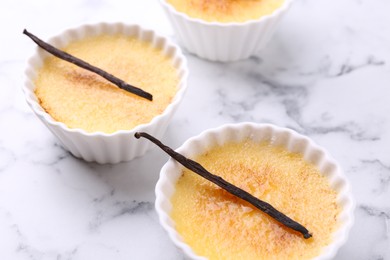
x=325, y=74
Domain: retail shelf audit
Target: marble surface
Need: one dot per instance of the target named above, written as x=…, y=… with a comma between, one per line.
x=325, y=73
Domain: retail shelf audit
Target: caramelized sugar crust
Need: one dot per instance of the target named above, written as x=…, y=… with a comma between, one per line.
x=226, y=10
x=82, y=99
x=220, y=226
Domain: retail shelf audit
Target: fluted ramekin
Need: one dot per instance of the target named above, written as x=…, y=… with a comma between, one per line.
x=290, y=140
x=224, y=41
x=98, y=146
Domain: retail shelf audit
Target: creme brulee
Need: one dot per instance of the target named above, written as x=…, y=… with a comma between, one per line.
x=226, y=11
x=218, y=225
x=82, y=99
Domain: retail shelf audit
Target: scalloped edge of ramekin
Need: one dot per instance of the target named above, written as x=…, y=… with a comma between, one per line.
x=102, y=147
x=285, y=137
x=224, y=42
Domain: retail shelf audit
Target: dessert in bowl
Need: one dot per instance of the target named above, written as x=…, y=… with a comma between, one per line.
x=274, y=164
x=94, y=119
x=225, y=30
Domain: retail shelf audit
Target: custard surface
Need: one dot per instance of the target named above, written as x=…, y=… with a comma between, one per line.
x=82, y=99
x=226, y=11
x=218, y=225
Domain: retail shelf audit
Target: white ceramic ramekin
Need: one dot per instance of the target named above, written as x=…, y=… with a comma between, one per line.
x=291, y=140
x=121, y=145
x=224, y=41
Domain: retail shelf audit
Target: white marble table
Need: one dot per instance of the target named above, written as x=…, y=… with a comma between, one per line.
x=326, y=74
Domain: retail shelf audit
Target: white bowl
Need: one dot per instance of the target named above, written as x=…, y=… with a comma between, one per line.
x=292, y=141
x=98, y=146
x=224, y=41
